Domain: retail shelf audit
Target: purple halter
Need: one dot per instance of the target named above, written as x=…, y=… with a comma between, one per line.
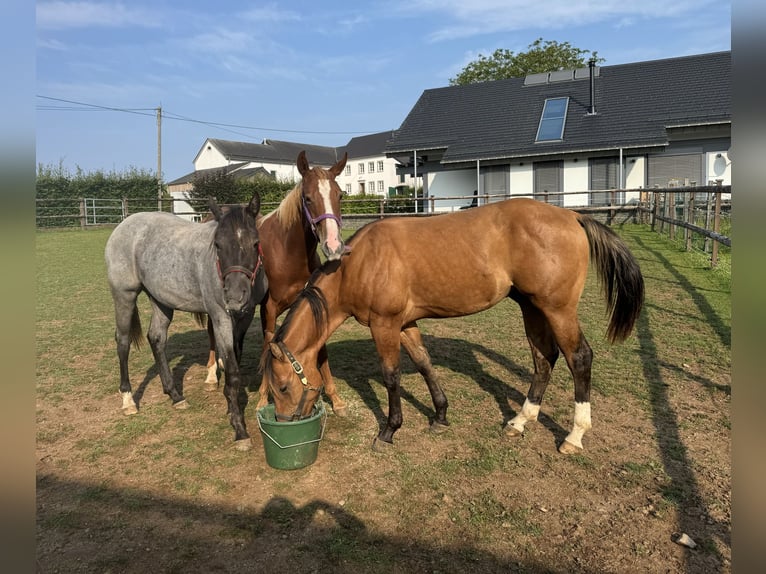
x=314, y=220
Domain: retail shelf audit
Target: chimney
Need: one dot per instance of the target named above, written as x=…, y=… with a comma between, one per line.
x=592, y=68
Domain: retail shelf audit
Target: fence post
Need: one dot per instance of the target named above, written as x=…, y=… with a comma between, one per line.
x=716, y=224
x=655, y=209
x=124, y=207
x=690, y=220
x=708, y=210
x=83, y=213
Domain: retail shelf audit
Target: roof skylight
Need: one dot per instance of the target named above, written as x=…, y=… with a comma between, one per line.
x=552, y=121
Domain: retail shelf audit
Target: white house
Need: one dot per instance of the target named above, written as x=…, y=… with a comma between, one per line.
x=659, y=123
x=368, y=169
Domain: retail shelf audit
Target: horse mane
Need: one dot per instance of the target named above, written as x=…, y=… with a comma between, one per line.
x=318, y=305
x=288, y=212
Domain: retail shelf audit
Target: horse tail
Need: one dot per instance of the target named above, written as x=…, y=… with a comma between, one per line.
x=201, y=319
x=136, y=336
x=619, y=275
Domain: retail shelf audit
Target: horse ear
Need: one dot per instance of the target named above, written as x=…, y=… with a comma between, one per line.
x=255, y=205
x=338, y=167
x=214, y=208
x=276, y=352
x=303, y=163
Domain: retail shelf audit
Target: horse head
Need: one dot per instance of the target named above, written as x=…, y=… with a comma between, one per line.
x=321, y=204
x=238, y=253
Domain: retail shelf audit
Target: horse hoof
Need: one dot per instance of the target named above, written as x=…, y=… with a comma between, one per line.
x=181, y=405
x=243, y=444
x=131, y=410
x=340, y=411
x=379, y=445
x=437, y=427
x=569, y=448
x=512, y=431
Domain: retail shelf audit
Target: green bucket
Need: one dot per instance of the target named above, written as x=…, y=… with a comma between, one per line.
x=293, y=444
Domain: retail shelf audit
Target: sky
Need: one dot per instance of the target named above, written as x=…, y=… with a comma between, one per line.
x=312, y=72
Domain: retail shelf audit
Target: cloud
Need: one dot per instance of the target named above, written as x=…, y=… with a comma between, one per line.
x=271, y=13
x=63, y=15
x=478, y=17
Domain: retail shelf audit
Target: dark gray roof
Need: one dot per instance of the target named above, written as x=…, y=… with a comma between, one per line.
x=635, y=104
x=275, y=151
x=368, y=145
x=236, y=169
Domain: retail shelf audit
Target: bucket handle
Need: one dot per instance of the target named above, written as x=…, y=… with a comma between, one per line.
x=321, y=435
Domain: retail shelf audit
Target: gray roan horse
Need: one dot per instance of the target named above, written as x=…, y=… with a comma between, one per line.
x=204, y=268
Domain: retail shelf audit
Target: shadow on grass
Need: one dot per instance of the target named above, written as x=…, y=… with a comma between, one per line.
x=683, y=491
x=189, y=348
x=356, y=361
x=93, y=528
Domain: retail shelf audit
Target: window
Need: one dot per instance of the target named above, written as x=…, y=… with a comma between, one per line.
x=495, y=180
x=348, y=169
x=548, y=181
x=552, y=120
x=361, y=168
x=381, y=187
x=371, y=167
x=380, y=165
x=348, y=189
x=604, y=174
x=674, y=170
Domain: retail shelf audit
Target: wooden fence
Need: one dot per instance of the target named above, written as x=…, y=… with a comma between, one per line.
x=703, y=213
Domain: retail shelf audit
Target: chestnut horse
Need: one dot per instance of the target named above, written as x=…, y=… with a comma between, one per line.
x=308, y=217
x=401, y=270
x=212, y=268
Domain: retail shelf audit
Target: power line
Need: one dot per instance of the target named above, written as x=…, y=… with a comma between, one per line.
x=176, y=117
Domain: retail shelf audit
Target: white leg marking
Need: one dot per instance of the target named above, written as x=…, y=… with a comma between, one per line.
x=581, y=424
x=128, y=404
x=212, y=375
x=528, y=413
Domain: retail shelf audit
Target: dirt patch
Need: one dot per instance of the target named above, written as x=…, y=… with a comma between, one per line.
x=165, y=491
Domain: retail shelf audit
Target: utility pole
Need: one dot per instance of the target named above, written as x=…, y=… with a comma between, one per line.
x=159, y=158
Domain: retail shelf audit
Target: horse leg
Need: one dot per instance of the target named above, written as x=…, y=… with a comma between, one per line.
x=158, y=336
x=545, y=352
x=233, y=390
x=128, y=328
x=211, y=382
x=338, y=404
x=268, y=325
x=412, y=341
x=579, y=357
x=387, y=342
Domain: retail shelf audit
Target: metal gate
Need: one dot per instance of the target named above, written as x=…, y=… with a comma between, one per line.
x=101, y=211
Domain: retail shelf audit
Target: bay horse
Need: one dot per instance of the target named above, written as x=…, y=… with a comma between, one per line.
x=211, y=268
x=400, y=270
x=308, y=217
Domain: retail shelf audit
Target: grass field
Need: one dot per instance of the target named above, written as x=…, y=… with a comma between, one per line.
x=165, y=491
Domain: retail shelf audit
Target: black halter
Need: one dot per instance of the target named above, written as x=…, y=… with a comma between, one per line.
x=298, y=368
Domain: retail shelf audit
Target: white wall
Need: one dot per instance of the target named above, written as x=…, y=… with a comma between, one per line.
x=354, y=178
x=451, y=184
x=209, y=157
x=718, y=167
x=522, y=179
x=576, y=178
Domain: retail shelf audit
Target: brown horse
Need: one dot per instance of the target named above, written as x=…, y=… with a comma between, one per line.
x=308, y=217
x=402, y=270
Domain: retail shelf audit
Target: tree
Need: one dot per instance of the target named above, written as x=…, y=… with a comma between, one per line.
x=542, y=56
